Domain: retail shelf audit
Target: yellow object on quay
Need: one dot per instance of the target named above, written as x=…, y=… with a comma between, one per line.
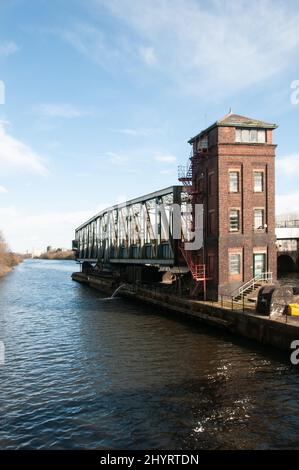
x=293, y=309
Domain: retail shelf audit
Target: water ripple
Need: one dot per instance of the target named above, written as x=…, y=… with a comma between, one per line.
x=82, y=372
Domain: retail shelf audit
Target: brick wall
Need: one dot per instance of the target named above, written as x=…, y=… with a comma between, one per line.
x=225, y=155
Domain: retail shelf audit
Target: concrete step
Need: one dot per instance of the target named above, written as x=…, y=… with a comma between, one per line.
x=248, y=293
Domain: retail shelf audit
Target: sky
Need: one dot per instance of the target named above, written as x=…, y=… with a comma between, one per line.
x=98, y=99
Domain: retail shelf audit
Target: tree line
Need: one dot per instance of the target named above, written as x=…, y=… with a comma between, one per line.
x=8, y=259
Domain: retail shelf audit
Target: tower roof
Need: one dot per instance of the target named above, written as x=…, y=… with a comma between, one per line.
x=236, y=120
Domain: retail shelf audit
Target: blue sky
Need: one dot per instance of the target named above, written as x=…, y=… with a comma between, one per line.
x=101, y=97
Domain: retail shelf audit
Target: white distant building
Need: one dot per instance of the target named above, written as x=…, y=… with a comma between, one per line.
x=36, y=252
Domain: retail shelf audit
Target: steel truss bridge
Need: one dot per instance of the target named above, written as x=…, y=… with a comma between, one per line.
x=145, y=231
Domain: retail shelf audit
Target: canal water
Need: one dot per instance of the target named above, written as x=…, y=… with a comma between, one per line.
x=83, y=371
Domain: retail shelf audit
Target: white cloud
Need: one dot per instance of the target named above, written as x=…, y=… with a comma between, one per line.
x=110, y=51
x=39, y=230
x=219, y=47
x=288, y=165
x=170, y=171
x=148, y=55
x=2, y=92
x=8, y=48
x=165, y=158
x=287, y=203
x=62, y=110
x=7, y=212
x=17, y=156
x=116, y=158
x=93, y=44
x=84, y=174
x=137, y=132
x=3, y=189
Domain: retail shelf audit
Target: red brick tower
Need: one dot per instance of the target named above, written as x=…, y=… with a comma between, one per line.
x=232, y=175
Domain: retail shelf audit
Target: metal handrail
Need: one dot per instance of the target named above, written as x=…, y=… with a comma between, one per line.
x=287, y=224
x=184, y=171
x=262, y=277
x=198, y=271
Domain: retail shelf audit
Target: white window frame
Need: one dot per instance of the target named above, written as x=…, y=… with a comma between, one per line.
x=260, y=172
x=233, y=230
x=260, y=227
x=250, y=135
x=238, y=271
x=230, y=172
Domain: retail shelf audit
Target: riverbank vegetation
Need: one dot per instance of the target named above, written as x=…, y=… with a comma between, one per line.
x=58, y=255
x=8, y=259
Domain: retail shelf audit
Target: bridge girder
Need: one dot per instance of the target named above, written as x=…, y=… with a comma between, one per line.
x=139, y=231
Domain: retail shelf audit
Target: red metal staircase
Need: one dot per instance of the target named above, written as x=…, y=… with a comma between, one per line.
x=197, y=270
x=187, y=175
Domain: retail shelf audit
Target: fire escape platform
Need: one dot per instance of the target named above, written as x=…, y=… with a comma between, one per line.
x=187, y=176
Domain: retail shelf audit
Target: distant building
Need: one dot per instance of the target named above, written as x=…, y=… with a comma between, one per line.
x=35, y=252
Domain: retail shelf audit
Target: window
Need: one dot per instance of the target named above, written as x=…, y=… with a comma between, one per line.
x=252, y=136
x=211, y=265
x=211, y=184
x=211, y=219
x=202, y=144
x=233, y=181
x=234, y=220
x=200, y=185
x=259, y=264
x=258, y=219
x=238, y=135
x=235, y=263
x=261, y=136
x=258, y=177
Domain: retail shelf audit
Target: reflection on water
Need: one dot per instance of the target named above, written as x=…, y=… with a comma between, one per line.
x=85, y=372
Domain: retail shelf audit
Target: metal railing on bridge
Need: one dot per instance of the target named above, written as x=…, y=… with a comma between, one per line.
x=287, y=223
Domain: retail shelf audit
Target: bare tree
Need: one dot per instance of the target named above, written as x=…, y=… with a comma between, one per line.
x=3, y=247
x=7, y=259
